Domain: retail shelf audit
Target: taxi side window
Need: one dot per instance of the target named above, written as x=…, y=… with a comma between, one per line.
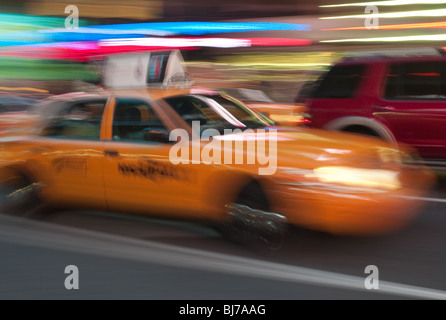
x=135, y=120
x=77, y=120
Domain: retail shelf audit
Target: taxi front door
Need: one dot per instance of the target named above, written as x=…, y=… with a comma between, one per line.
x=139, y=176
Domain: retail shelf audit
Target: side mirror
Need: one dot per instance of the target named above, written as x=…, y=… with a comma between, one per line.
x=157, y=135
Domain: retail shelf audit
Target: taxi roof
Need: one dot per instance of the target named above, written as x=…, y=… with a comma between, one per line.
x=151, y=93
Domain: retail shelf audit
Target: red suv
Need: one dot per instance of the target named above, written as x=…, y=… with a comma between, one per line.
x=394, y=98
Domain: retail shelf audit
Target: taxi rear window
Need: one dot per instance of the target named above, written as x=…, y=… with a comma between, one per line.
x=77, y=120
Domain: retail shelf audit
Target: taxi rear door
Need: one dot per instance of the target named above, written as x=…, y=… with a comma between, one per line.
x=71, y=150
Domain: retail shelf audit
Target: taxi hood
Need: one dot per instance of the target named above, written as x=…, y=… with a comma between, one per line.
x=313, y=147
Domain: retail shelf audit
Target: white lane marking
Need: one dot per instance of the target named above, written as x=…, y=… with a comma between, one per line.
x=43, y=234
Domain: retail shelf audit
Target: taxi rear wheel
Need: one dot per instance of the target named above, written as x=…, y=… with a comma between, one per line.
x=251, y=221
x=19, y=195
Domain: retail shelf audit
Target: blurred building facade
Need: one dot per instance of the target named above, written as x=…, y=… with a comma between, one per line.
x=279, y=69
x=167, y=9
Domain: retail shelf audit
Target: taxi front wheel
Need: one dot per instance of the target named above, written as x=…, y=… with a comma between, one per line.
x=252, y=223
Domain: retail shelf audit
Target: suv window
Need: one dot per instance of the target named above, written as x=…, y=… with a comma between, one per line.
x=77, y=120
x=416, y=80
x=340, y=82
x=135, y=120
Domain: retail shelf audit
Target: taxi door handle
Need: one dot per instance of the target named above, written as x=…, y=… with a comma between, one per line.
x=111, y=153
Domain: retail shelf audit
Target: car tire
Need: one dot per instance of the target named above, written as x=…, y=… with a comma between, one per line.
x=20, y=195
x=251, y=222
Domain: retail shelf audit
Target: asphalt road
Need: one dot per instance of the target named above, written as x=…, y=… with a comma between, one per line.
x=127, y=257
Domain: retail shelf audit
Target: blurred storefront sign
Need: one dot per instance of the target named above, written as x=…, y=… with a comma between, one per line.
x=130, y=9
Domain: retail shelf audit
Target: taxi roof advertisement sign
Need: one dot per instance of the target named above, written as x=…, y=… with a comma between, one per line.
x=147, y=69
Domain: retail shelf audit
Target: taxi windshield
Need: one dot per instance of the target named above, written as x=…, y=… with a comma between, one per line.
x=216, y=112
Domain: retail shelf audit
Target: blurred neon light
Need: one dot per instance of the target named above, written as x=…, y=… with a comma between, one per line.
x=279, y=42
x=134, y=30
x=385, y=3
x=82, y=51
x=23, y=89
x=75, y=45
x=425, y=74
x=404, y=14
x=97, y=32
x=178, y=42
x=430, y=25
x=261, y=65
x=12, y=21
x=436, y=37
x=167, y=28
x=205, y=42
x=200, y=27
x=20, y=29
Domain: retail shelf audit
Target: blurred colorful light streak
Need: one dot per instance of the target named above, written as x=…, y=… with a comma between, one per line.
x=403, y=14
x=82, y=51
x=425, y=25
x=201, y=28
x=436, y=37
x=134, y=30
x=10, y=22
x=384, y=3
x=206, y=42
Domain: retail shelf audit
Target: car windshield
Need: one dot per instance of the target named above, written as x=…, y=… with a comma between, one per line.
x=216, y=112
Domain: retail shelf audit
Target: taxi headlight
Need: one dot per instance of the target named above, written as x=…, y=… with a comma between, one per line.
x=368, y=178
x=388, y=155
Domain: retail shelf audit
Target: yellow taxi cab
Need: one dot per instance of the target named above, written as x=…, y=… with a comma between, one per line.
x=206, y=157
